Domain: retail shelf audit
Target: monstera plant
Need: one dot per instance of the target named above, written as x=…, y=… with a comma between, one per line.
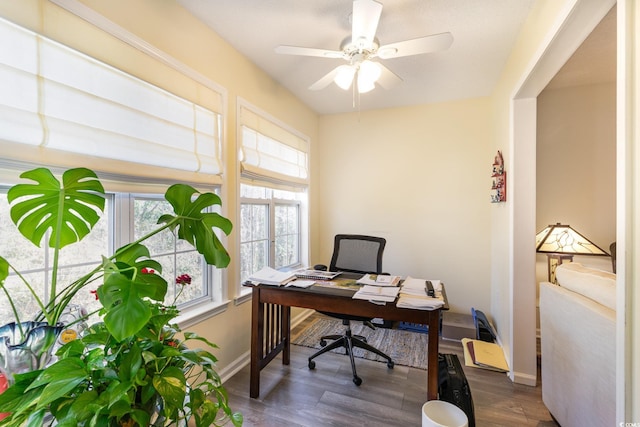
x=133, y=366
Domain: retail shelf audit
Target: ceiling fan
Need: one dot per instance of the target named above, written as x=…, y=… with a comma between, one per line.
x=362, y=46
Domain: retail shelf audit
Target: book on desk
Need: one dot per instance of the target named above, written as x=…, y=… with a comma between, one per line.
x=316, y=274
x=271, y=276
x=306, y=277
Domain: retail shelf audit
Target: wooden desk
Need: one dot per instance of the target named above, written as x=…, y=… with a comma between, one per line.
x=271, y=324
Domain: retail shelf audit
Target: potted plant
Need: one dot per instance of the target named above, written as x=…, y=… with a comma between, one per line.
x=133, y=366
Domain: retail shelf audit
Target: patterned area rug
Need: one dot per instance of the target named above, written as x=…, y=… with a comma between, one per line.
x=404, y=347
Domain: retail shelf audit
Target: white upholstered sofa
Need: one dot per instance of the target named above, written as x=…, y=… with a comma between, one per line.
x=577, y=332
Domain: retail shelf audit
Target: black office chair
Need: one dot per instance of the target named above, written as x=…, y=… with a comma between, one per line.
x=356, y=254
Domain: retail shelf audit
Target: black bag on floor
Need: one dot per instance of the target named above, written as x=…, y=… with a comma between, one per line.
x=453, y=386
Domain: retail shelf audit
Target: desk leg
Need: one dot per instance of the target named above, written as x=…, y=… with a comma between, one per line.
x=257, y=338
x=286, y=331
x=432, y=355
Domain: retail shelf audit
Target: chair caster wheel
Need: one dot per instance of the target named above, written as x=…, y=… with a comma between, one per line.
x=357, y=381
x=312, y=364
x=390, y=364
x=323, y=343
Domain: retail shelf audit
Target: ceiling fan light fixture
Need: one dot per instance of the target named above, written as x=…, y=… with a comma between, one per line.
x=364, y=83
x=344, y=76
x=370, y=71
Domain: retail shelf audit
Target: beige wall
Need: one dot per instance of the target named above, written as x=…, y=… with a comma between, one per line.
x=420, y=177
x=576, y=166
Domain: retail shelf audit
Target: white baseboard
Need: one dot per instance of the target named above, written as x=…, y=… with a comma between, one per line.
x=236, y=365
x=525, y=379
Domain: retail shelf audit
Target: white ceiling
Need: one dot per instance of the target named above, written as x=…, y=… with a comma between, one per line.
x=484, y=32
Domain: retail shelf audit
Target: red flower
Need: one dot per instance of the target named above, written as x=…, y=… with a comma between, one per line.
x=146, y=270
x=183, y=279
x=95, y=293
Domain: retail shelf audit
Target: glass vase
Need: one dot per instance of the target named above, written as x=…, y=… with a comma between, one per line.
x=26, y=346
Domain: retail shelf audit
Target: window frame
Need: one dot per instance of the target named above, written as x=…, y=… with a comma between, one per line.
x=252, y=171
x=272, y=203
x=120, y=231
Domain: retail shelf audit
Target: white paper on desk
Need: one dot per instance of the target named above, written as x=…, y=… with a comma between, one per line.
x=379, y=280
x=419, y=302
x=377, y=293
x=300, y=283
x=270, y=276
x=412, y=286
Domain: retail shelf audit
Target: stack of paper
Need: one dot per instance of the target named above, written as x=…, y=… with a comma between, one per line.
x=377, y=293
x=301, y=283
x=269, y=276
x=316, y=274
x=483, y=354
x=413, y=294
x=379, y=280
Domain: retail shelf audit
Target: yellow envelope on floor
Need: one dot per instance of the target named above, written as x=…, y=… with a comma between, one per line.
x=484, y=354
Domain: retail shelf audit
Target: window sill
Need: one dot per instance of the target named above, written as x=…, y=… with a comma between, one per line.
x=245, y=295
x=200, y=313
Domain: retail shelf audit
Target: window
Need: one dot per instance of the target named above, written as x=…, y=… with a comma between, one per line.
x=273, y=194
x=176, y=256
x=112, y=231
x=60, y=108
x=270, y=229
x=35, y=263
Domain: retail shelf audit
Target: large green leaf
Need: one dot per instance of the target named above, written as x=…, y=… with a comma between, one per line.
x=130, y=363
x=137, y=255
x=197, y=226
x=59, y=379
x=127, y=312
x=172, y=386
x=69, y=210
x=36, y=418
x=16, y=397
x=125, y=287
x=142, y=418
x=85, y=405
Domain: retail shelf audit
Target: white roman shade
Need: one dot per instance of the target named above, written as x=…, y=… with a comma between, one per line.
x=59, y=106
x=270, y=153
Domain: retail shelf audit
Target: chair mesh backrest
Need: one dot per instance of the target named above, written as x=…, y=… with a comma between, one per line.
x=356, y=253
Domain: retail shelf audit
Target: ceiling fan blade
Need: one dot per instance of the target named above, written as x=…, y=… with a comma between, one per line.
x=364, y=20
x=427, y=44
x=388, y=79
x=308, y=51
x=327, y=79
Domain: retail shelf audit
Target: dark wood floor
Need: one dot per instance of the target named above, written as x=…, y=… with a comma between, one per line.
x=294, y=395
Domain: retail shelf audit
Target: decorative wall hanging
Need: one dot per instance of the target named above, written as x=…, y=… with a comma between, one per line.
x=499, y=180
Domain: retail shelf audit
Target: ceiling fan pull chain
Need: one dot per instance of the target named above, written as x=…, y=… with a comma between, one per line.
x=353, y=95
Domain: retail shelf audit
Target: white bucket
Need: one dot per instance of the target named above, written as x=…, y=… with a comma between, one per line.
x=438, y=413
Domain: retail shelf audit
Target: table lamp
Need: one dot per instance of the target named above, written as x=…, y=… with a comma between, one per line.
x=561, y=243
